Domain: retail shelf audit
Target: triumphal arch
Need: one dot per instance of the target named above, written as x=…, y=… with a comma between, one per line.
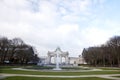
x=61, y=55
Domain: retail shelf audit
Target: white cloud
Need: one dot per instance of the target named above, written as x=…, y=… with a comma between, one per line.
x=47, y=24
x=95, y=36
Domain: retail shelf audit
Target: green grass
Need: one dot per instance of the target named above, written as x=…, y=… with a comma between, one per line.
x=7, y=69
x=39, y=78
x=116, y=76
x=109, y=68
x=38, y=67
x=50, y=67
x=57, y=73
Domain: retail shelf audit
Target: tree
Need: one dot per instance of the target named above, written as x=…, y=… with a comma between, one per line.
x=114, y=43
x=4, y=48
x=15, y=51
x=15, y=44
x=107, y=54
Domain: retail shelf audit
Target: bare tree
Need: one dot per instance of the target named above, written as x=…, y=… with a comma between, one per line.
x=15, y=44
x=16, y=51
x=107, y=54
x=114, y=43
x=4, y=48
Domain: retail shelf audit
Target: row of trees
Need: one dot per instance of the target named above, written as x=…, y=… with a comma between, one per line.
x=15, y=51
x=107, y=54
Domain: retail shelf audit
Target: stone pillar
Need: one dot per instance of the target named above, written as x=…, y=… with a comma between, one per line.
x=55, y=59
x=49, y=59
x=66, y=60
x=60, y=59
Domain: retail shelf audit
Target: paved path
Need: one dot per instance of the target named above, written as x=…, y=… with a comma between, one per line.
x=2, y=76
x=57, y=70
x=61, y=70
x=109, y=76
x=100, y=76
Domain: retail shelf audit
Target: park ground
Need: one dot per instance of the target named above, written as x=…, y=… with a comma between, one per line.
x=22, y=73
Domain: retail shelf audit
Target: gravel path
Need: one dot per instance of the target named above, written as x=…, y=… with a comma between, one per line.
x=100, y=76
x=109, y=76
x=57, y=71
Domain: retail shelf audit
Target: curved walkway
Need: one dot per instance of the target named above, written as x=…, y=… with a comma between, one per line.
x=107, y=76
x=58, y=70
x=100, y=76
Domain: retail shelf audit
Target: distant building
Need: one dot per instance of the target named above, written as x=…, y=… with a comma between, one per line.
x=64, y=59
x=76, y=60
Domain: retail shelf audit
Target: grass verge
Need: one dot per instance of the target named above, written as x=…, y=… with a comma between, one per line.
x=116, y=76
x=109, y=68
x=39, y=78
x=10, y=71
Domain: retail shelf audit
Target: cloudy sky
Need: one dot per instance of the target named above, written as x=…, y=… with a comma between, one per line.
x=69, y=24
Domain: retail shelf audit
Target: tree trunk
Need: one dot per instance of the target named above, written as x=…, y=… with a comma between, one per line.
x=12, y=54
x=118, y=61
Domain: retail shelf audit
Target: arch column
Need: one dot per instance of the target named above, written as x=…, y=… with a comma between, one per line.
x=55, y=59
x=49, y=59
x=66, y=60
x=60, y=59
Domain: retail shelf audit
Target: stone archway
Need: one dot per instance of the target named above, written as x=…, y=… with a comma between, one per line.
x=61, y=55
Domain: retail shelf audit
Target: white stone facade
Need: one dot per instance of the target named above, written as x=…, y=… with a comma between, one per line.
x=61, y=55
x=75, y=61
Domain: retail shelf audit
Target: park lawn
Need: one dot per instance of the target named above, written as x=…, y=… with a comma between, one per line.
x=47, y=78
x=116, y=76
x=10, y=67
x=10, y=71
x=48, y=67
x=107, y=68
